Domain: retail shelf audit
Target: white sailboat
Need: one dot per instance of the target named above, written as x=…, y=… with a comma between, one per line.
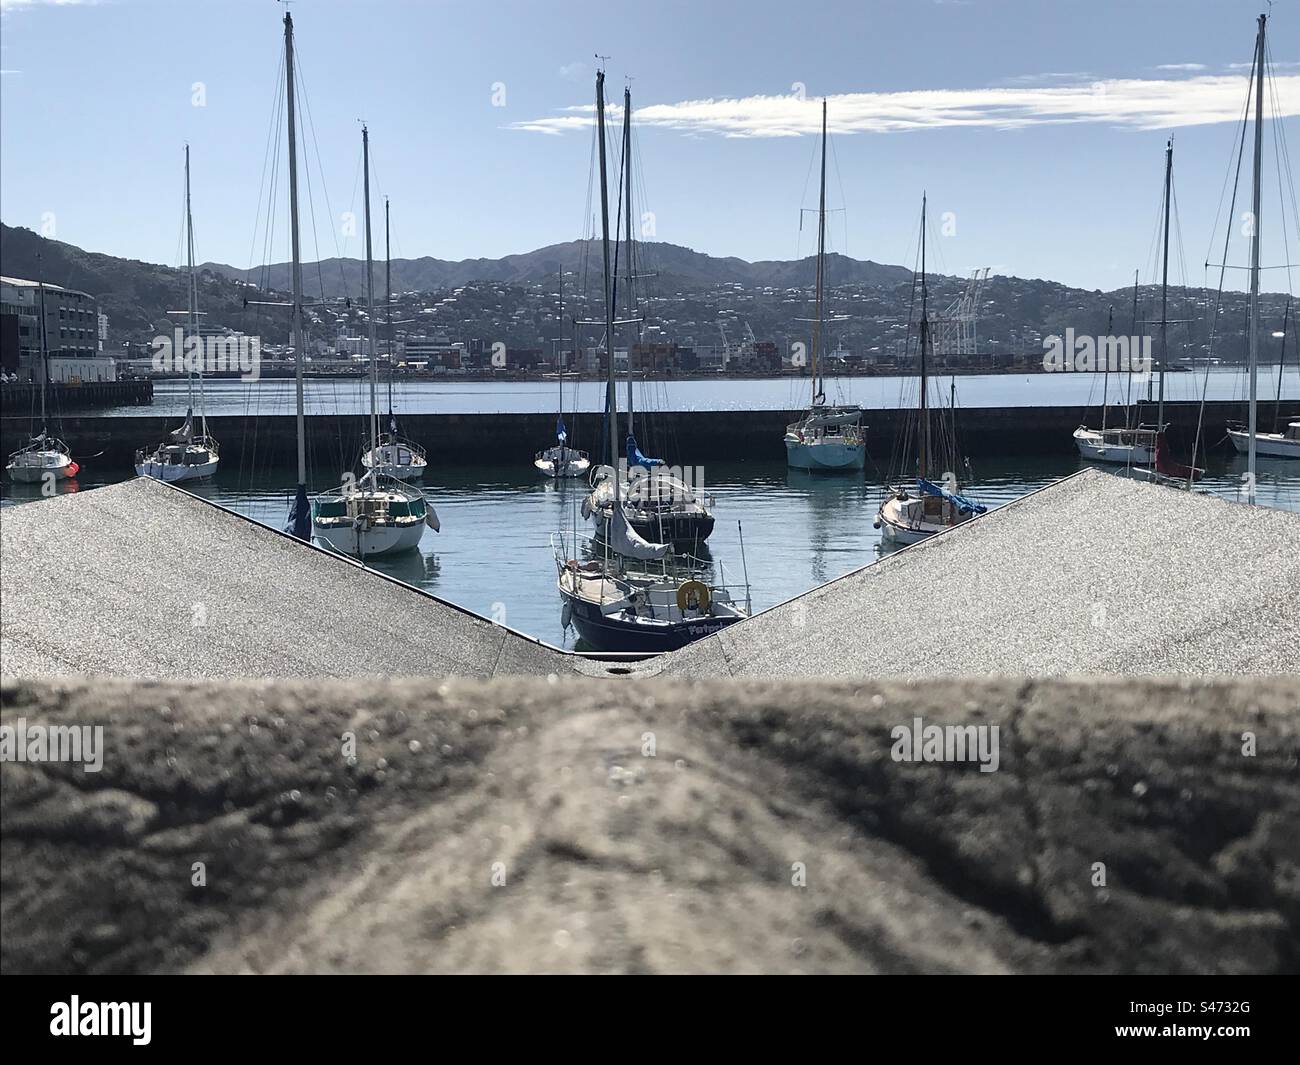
x=1284, y=445
x=1274, y=445
x=378, y=514
x=392, y=456
x=827, y=438
x=43, y=457
x=185, y=455
x=1144, y=451
x=632, y=595
x=910, y=513
x=1248, y=439
x=1118, y=444
x=561, y=461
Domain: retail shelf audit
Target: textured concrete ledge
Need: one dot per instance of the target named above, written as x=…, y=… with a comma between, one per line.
x=609, y=860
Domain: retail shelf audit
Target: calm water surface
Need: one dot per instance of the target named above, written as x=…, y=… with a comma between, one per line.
x=352, y=395
x=494, y=556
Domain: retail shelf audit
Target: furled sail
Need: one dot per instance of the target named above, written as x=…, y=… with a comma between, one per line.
x=1166, y=465
x=625, y=540
x=635, y=458
x=964, y=505
x=186, y=432
x=561, y=434
x=299, y=523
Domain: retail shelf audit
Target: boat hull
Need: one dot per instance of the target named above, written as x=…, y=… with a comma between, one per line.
x=615, y=633
x=684, y=530
x=902, y=534
x=173, y=473
x=828, y=456
x=377, y=540
x=1269, y=445
x=562, y=470
x=905, y=521
x=25, y=473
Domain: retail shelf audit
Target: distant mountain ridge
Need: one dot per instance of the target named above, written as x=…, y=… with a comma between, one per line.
x=676, y=267
x=512, y=299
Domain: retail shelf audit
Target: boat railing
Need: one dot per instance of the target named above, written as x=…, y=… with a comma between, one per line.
x=675, y=566
x=390, y=440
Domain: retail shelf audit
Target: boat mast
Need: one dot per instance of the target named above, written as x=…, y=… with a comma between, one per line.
x=627, y=211
x=1254, y=261
x=301, y=518
x=1281, y=369
x=1105, y=377
x=609, y=305
x=1128, y=397
x=925, y=340
x=821, y=257
x=194, y=291
x=388, y=312
x=559, y=363
x=189, y=287
x=370, y=304
x=45, y=348
x=1164, y=289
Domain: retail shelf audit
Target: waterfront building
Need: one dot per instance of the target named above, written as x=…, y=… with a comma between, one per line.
x=72, y=329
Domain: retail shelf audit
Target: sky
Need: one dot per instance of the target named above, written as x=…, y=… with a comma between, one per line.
x=1036, y=127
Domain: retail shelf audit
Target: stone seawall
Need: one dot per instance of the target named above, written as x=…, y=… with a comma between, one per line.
x=680, y=436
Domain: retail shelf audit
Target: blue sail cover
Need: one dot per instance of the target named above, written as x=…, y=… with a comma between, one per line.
x=635, y=458
x=299, y=524
x=561, y=434
x=964, y=505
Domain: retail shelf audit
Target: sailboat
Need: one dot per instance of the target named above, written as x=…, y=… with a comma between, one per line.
x=392, y=456
x=43, y=456
x=1117, y=444
x=378, y=514
x=1160, y=465
x=185, y=455
x=299, y=520
x=826, y=437
x=561, y=460
x=658, y=506
x=909, y=515
x=633, y=597
x=1274, y=445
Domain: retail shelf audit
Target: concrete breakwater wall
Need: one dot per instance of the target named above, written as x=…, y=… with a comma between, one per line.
x=679, y=436
x=17, y=399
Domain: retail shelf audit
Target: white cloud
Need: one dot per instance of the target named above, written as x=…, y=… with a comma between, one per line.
x=1181, y=66
x=1124, y=102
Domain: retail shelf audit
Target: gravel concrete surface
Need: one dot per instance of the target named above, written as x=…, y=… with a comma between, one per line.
x=653, y=825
